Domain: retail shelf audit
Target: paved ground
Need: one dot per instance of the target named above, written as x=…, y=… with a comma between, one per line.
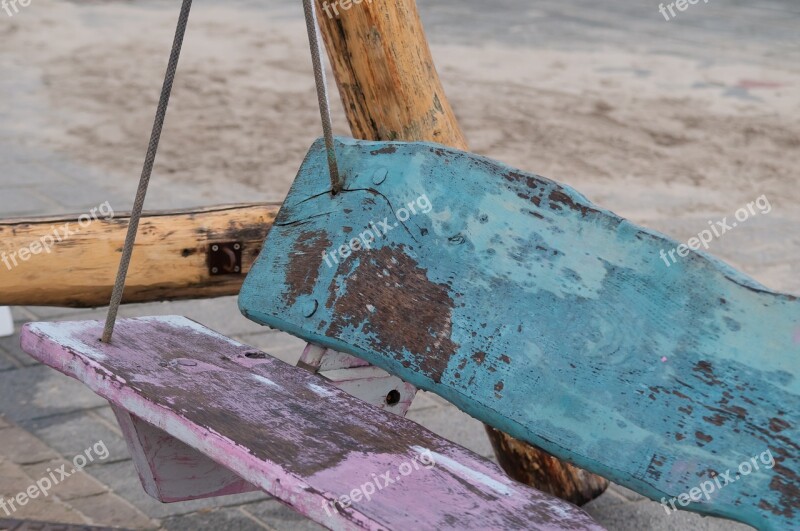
x=46, y=418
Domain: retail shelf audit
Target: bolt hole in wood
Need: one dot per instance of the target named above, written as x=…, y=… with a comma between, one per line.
x=393, y=397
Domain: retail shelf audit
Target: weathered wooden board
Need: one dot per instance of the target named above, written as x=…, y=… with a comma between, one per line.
x=171, y=470
x=59, y=261
x=545, y=316
x=390, y=90
x=291, y=432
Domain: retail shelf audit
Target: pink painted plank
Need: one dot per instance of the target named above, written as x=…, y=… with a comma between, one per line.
x=292, y=433
x=172, y=471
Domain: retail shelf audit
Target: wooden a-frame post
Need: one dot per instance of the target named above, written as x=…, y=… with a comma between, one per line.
x=390, y=90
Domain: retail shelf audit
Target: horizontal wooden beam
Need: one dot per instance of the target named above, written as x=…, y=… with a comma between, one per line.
x=170, y=260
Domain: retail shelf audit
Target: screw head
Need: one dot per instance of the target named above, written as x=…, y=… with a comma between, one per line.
x=236, y=269
x=215, y=270
x=236, y=246
x=215, y=248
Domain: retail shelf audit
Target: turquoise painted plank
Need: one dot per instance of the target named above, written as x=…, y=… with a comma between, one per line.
x=547, y=317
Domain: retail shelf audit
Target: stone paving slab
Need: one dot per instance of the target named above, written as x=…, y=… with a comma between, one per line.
x=30, y=525
x=25, y=461
x=33, y=392
x=279, y=517
x=122, y=479
x=21, y=448
x=14, y=480
x=50, y=510
x=80, y=484
x=70, y=434
x=7, y=363
x=233, y=519
x=112, y=511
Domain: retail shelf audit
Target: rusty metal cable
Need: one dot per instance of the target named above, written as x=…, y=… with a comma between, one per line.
x=322, y=93
x=147, y=170
x=158, y=125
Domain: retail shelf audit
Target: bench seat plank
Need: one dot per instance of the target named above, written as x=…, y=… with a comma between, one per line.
x=292, y=433
x=545, y=316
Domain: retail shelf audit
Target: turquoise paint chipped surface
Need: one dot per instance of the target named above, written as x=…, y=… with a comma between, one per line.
x=548, y=317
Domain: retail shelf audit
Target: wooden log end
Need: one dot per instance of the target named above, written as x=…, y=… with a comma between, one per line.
x=533, y=466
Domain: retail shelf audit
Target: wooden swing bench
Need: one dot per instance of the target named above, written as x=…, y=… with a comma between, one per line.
x=514, y=298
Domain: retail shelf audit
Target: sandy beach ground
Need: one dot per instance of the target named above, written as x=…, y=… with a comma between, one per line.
x=670, y=124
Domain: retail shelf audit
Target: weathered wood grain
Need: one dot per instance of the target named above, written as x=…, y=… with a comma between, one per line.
x=292, y=433
x=390, y=90
x=170, y=260
x=548, y=473
x=545, y=316
x=386, y=76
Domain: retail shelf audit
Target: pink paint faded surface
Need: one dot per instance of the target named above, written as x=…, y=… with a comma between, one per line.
x=170, y=470
x=290, y=432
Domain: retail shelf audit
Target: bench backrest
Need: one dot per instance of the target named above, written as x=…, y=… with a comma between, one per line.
x=547, y=317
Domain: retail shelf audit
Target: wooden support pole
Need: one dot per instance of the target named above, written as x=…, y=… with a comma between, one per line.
x=170, y=261
x=391, y=91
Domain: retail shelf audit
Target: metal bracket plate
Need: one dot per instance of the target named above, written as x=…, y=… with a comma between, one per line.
x=225, y=258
